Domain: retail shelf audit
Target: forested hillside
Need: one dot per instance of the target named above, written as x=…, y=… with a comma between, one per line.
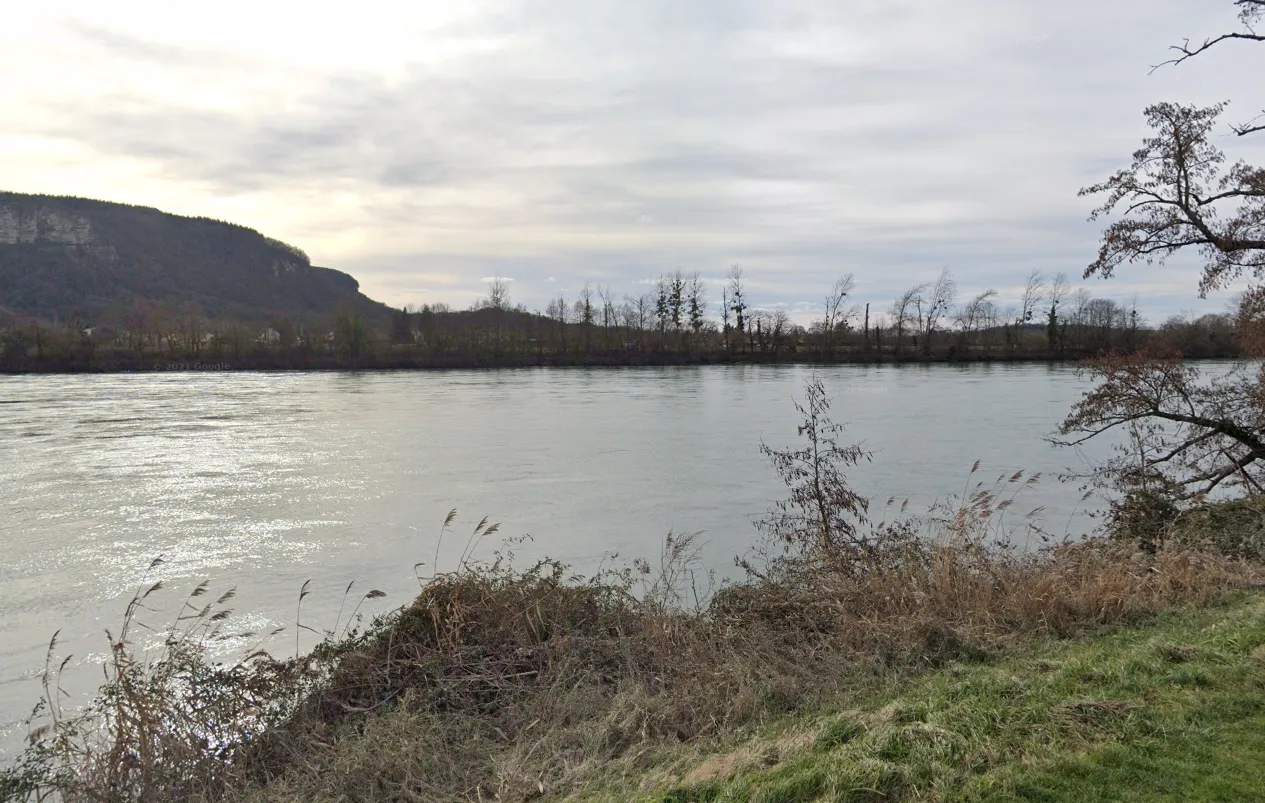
x=74, y=257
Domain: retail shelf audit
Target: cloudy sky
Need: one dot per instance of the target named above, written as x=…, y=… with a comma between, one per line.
x=425, y=146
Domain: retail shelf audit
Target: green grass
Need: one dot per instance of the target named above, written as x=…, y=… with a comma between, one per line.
x=1174, y=710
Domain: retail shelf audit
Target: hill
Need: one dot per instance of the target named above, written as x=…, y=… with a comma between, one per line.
x=62, y=256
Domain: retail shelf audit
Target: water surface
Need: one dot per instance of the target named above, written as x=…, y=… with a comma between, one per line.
x=265, y=480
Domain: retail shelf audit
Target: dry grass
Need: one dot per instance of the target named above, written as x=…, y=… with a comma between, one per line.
x=522, y=686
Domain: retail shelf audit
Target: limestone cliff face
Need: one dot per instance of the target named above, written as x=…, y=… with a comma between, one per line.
x=43, y=226
x=60, y=254
x=39, y=224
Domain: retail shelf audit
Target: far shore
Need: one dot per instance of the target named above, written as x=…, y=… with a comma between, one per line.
x=116, y=364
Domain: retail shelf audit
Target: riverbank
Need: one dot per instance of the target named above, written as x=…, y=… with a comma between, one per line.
x=940, y=669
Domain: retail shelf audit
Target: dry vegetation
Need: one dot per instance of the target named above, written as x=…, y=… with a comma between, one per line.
x=503, y=684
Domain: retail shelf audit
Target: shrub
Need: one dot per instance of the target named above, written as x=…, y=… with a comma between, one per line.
x=1142, y=516
x=1235, y=528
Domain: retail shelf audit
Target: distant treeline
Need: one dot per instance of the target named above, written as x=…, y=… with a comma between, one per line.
x=666, y=325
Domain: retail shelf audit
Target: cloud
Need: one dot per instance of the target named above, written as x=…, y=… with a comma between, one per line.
x=118, y=44
x=561, y=142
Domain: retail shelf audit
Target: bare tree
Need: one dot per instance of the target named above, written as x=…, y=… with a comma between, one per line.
x=1102, y=317
x=1059, y=291
x=628, y=314
x=558, y=311
x=1033, y=294
x=1188, y=437
x=1250, y=12
x=498, y=301
x=610, y=316
x=584, y=305
x=780, y=329
x=738, y=302
x=939, y=299
x=1191, y=435
x=607, y=301
x=903, y=311
x=1180, y=196
x=498, y=293
x=644, y=306
x=975, y=314
x=637, y=315
x=836, y=316
x=1080, y=304
x=1176, y=196
x=758, y=328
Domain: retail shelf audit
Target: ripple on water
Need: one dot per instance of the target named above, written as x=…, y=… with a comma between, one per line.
x=262, y=481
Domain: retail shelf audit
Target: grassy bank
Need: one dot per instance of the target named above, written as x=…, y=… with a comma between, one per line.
x=1170, y=710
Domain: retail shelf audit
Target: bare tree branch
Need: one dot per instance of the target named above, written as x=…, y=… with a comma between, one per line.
x=1219, y=424
x=1171, y=197
x=1250, y=11
x=1186, y=52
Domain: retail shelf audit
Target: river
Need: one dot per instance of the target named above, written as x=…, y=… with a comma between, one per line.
x=263, y=481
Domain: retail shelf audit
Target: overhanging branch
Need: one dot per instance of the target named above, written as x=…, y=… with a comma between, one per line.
x=1186, y=52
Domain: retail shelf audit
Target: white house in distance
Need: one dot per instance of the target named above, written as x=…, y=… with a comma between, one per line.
x=270, y=336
